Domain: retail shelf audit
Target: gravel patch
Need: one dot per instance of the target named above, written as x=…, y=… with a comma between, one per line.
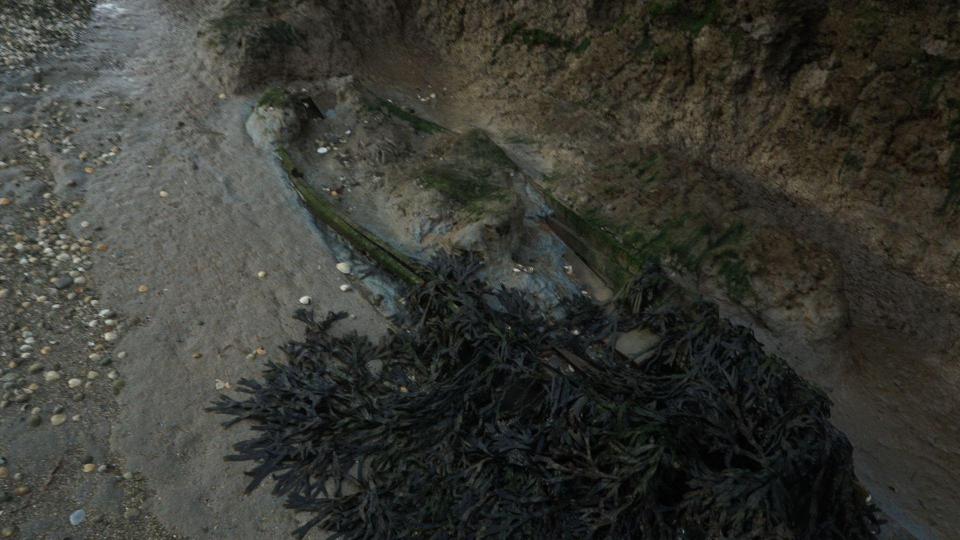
x=31, y=28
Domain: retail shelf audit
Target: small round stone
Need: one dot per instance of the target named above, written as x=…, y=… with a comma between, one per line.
x=305, y=300
x=4, y=472
x=142, y=289
x=34, y=420
x=20, y=491
x=261, y=275
x=73, y=383
x=344, y=267
x=77, y=517
x=110, y=336
x=345, y=287
x=89, y=468
x=51, y=376
x=58, y=419
x=128, y=475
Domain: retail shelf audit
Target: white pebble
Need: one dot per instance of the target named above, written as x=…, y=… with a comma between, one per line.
x=73, y=383
x=344, y=267
x=305, y=300
x=345, y=287
x=51, y=376
x=110, y=336
x=322, y=150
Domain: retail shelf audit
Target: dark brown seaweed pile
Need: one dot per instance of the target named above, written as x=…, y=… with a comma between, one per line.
x=483, y=418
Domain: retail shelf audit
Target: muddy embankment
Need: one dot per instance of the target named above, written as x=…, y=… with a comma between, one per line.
x=797, y=164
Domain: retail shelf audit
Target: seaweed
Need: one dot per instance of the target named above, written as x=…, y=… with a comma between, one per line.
x=483, y=417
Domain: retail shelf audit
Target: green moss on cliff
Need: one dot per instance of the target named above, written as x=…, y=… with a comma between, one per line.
x=538, y=37
x=274, y=97
x=690, y=17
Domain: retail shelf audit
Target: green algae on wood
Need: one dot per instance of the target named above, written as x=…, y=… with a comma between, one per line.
x=388, y=258
x=420, y=125
x=618, y=254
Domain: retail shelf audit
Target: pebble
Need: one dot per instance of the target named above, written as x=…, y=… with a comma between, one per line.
x=8, y=532
x=344, y=267
x=345, y=287
x=58, y=419
x=110, y=336
x=261, y=274
x=73, y=383
x=34, y=420
x=77, y=517
x=51, y=376
x=20, y=491
x=305, y=300
x=4, y=472
x=4, y=201
x=89, y=468
x=63, y=282
x=128, y=475
x=164, y=194
x=142, y=289
x=322, y=150
x=35, y=368
x=92, y=375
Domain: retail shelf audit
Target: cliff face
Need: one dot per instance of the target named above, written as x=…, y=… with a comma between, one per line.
x=796, y=160
x=840, y=121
